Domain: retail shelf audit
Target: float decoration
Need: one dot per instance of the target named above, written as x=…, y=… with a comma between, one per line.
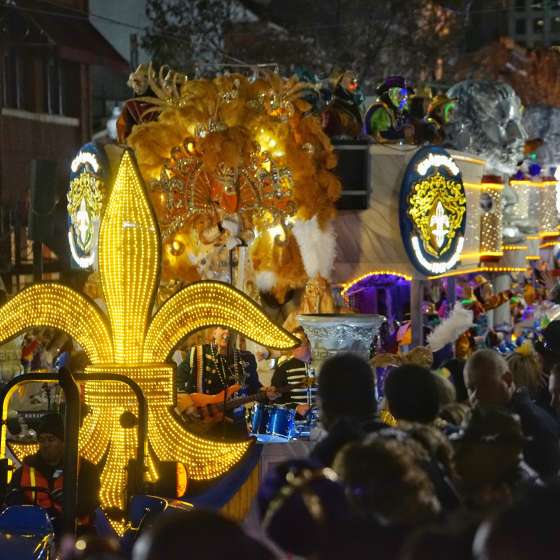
x=433, y=208
x=85, y=201
x=231, y=159
x=487, y=121
x=132, y=342
x=260, y=192
x=491, y=219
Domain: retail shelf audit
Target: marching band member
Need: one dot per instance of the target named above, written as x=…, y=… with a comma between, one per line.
x=293, y=371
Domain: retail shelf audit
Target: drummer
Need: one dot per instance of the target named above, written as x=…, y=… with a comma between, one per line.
x=294, y=370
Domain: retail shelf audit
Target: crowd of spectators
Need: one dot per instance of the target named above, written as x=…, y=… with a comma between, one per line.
x=462, y=466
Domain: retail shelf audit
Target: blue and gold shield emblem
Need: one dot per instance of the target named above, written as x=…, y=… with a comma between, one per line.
x=433, y=208
x=85, y=202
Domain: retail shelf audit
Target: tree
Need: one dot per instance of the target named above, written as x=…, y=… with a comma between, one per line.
x=381, y=37
x=187, y=33
x=373, y=37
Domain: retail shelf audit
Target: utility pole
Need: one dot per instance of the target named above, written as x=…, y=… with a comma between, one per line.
x=133, y=51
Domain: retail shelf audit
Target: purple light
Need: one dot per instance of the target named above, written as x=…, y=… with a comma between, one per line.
x=378, y=281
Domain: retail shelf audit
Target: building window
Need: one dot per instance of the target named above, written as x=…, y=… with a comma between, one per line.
x=555, y=24
x=30, y=92
x=40, y=83
x=520, y=26
x=520, y=5
x=12, y=79
x=70, y=88
x=538, y=25
x=52, y=86
x=536, y=6
x=555, y=5
x=25, y=76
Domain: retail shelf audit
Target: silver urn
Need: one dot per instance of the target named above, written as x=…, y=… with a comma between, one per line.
x=331, y=334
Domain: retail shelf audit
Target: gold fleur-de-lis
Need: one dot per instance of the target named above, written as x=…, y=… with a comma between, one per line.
x=132, y=342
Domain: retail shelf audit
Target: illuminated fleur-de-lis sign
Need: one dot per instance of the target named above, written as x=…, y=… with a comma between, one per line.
x=441, y=222
x=132, y=342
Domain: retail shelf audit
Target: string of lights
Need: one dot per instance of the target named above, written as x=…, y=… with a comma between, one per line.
x=129, y=262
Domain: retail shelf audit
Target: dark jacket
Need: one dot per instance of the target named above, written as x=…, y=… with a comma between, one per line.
x=213, y=376
x=344, y=430
x=88, y=483
x=543, y=398
x=542, y=452
x=292, y=372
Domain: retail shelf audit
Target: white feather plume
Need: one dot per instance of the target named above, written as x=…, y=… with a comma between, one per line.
x=265, y=280
x=317, y=247
x=449, y=330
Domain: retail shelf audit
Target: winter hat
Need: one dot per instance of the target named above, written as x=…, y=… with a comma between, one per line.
x=51, y=424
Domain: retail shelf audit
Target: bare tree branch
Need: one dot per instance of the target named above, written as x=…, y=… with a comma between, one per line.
x=373, y=37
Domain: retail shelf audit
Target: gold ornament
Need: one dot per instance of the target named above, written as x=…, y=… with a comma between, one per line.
x=436, y=207
x=166, y=84
x=85, y=199
x=234, y=147
x=131, y=342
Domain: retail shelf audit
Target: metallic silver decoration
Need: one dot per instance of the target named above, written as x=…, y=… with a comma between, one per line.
x=331, y=334
x=544, y=122
x=487, y=121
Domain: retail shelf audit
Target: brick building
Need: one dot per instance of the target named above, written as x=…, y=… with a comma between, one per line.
x=47, y=51
x=535, y=23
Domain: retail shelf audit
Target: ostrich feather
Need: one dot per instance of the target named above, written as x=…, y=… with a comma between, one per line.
x=451, y=329
x=265, y=280
x=317, y=247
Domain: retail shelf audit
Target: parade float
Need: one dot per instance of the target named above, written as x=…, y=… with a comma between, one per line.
x=507, y=217
x=243, y=180
x=132, y=341
x=221, y=193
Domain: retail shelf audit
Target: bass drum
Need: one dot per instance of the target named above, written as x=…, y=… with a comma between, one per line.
x=282, y=422
x=260, y=417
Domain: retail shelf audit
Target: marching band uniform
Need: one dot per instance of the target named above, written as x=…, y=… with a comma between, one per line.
x=293, y=372
x=205, y=370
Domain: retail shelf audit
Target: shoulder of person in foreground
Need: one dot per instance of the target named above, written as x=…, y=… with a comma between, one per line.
x=344, y=430
x=533, y=417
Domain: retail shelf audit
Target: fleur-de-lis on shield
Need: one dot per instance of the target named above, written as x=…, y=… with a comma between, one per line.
x=132, y=341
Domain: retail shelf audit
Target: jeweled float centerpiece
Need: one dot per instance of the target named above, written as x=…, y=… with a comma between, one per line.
x=331, y=333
